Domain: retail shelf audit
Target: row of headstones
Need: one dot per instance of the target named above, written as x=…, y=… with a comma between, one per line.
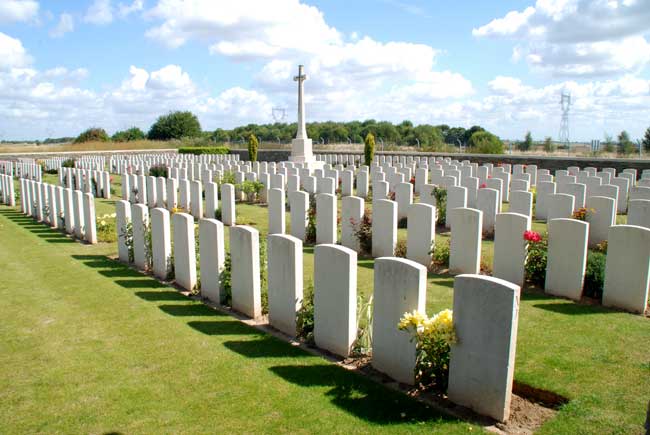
x=22, y=169
x=483, y=306
x=88, y=180
x=131, y=163
x=627, y=272
x=7, y=190
x=96, y=163
x=70, y=210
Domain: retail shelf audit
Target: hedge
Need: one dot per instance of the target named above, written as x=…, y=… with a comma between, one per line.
x=204, y=150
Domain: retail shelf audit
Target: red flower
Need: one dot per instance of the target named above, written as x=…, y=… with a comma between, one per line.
x=532, y=236
x=483, y=186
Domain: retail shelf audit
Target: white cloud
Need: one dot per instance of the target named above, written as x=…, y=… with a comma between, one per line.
x=65, y=25
x=99, y=13
x=18, y=10
x=244, y=28
x=578, y=38
x=12, y=53
x=125, y=10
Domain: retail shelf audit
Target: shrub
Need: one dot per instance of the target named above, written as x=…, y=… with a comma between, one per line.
x=400, y=248
x=133, y=133
x=363, y=232
x=175, y=125
x=159, y=170
x=537, y=258
x=225, y=280
x=580, y=214
x=363, y=343
x=369, y=149
x=527, y=144
x=440, y=193
x=203, y=150
x=253, y=144
x=549, y=146
x=625, y=145
x=484, y=142
x=595, y=275
x=252, y=189
x=92, y=135
x=305, y=315
x=440, y=253
x=310, y=236
x=433, y=339
x=68, y=163
x=126, y=233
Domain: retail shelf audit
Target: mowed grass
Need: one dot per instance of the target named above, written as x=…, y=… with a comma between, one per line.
x=89, y=346
x=598, y=358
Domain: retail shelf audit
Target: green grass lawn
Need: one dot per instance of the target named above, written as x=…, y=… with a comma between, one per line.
x=89, y=346
x=598, y=358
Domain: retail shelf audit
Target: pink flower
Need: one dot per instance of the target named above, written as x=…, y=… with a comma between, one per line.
x=532, y=236
x=483, y=186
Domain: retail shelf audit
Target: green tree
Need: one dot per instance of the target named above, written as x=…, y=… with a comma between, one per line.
x=549, y=146
x=93, y=134
x=133, y=133
x=175, y=125
x=527, y=144
x=484, y=142
x=253, y=144
x=468, y=133
x=369, y=149
x=646, y=141
x=625, y=145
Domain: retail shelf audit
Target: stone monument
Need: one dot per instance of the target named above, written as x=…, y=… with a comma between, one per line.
x=301, y=146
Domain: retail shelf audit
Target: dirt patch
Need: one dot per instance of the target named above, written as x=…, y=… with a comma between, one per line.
x=529, y=408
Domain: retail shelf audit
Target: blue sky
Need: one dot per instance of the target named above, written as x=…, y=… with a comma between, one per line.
x=68, y=65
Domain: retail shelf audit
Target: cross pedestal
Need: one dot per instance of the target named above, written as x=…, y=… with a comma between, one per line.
x=301, y=146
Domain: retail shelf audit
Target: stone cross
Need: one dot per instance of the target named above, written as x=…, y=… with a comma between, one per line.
x=300, y=78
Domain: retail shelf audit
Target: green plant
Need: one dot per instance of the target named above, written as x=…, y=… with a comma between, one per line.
x=253, y=144
x=595, y=275
x=93, y=135
x=252, y=189
x=68, y=163
x=608, y=143
x=126, y=233
x=440, y=253
x=264, y=288
x=106, y=228
x=227, y=177
x=484, y=142
x=131, y=134
x=158, y=170
x=175, y=125
x=440, y=194
x=225, y=278
x=148, y=244
x=433, y=339
x=527, y=143
x=204, y=150
x=549, y=146
x=369, y=149
x=363, y=232
x=363, y=343
x=305, y=315
x=310, y=236
x=625, y=145
x=535, y=266
x=400, y=248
